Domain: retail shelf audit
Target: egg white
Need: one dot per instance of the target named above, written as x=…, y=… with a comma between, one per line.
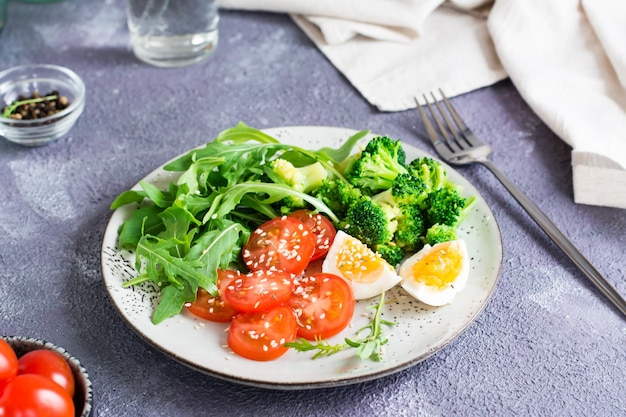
x=413, y=279
x=368, y=279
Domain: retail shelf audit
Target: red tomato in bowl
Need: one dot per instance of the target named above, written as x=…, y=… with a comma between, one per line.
x=281, y=244
x=260, y=336
x=321, y=227
x=50, y=365
x=8, y=361
x=211, y=308
x=323, y=305
x=35, y=395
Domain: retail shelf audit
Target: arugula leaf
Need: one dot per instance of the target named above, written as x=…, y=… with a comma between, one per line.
x=162, y=261
x=141, y=221
x=323, y=347
x=230, y=197
x=128, y=197
x=339, y=154
x=370, y=347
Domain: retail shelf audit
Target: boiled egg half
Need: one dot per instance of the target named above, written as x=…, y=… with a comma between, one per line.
x=365, y=270
x=436, y=274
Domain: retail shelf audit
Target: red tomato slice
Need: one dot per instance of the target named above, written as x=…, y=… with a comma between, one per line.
x=322, y=228
x=259, y=290
x=260, y=336
x=323, y=305
x=48, y=364
x=8, y=361
x=35, y=395
x=217, y=308
x=281, y=244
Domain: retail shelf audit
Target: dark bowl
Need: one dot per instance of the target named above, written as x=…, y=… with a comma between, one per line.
x=83, y=397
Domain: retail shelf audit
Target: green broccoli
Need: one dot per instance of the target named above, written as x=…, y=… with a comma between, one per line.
x=377, y=165
x=407, y=194
x=304, y=179
x=445, y=206
x=438, y=233
x=372, y=222
x=431, y=172
x=391, y=253
x=338, y=195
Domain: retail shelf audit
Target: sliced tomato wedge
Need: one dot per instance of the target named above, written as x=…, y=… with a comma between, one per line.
x=260, y=336
x=211, y=308
x=323, y=305
x=322, y=228
x=281, y=244
x=259, y=290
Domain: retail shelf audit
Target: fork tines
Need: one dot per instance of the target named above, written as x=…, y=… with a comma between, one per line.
x=451, y=130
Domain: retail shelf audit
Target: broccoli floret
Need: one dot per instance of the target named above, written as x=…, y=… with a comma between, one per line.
x=378, y=165
x=431, y=172
x=304, y=179
x=372, y=222
x=338, y=195
x=438, y=233
x=406, y=195
x=445, y=206
x=409, y=189
x=411, y=228
x=391, y=253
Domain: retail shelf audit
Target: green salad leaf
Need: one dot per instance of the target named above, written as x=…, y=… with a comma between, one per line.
x=183, y=234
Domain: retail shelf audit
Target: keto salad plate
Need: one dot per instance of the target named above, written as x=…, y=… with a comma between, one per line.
x=419, y=331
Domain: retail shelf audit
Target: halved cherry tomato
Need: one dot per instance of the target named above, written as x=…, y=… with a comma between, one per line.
x=323, y=305
x=48, y=364
x=259, y=290
x=321, y=227
x=8, y=361
x=217, y=309
x=35, y=395
x=281, y=244
x=260, y=336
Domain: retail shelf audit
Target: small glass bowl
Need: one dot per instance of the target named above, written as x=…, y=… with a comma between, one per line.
x=83, y=396
x=26, y=79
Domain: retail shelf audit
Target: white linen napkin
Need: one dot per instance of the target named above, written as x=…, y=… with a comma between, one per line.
x=395, y=50
x=567, y=59
x=564, y=56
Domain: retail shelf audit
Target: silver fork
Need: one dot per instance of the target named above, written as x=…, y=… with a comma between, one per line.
x=457, y=145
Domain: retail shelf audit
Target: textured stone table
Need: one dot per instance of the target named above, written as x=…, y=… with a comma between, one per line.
x=546, y=344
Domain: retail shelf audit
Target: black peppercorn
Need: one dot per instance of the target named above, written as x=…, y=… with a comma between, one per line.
x=35, y=106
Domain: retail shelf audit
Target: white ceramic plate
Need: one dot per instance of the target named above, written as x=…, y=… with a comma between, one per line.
x=420, y=331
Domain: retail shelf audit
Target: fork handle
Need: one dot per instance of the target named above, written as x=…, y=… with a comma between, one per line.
x=558, y=237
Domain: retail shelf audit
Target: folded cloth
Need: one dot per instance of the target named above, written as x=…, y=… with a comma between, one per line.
x=566, y=58
x=395, y=50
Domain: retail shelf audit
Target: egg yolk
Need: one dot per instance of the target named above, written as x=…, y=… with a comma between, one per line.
x=358, y=262
x=438, y=268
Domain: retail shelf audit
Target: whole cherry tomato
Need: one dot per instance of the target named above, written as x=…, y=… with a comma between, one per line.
x=35, y=395
x=49, y=364
x=8, y=361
